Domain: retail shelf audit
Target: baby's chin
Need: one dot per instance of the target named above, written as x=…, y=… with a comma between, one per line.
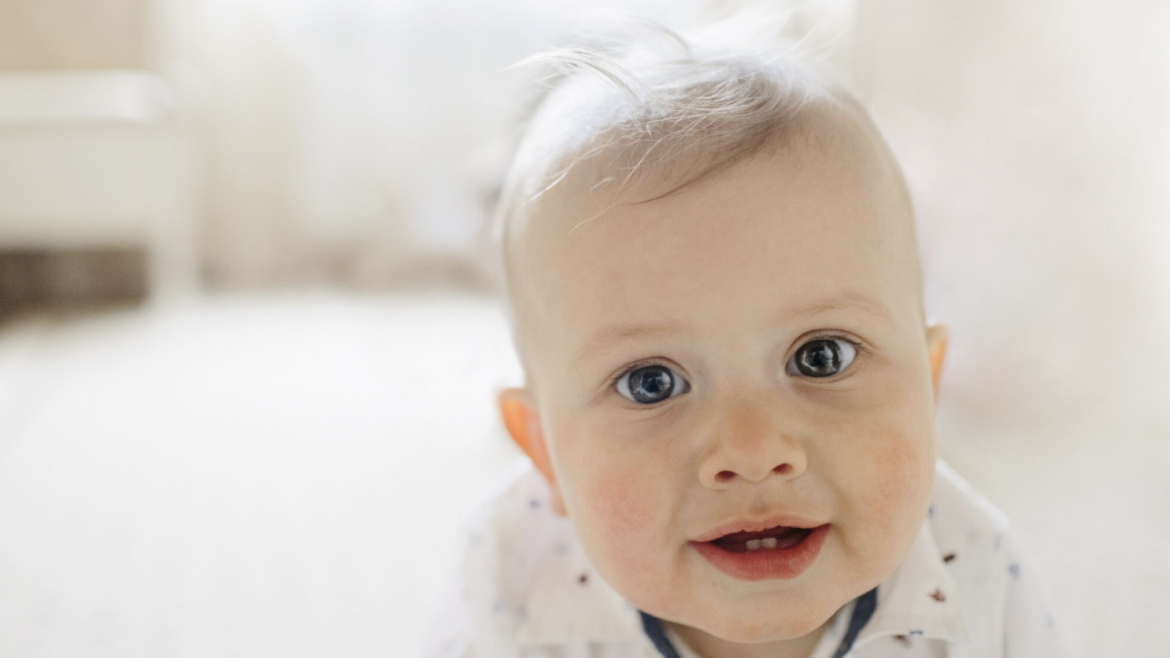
x=765, y=623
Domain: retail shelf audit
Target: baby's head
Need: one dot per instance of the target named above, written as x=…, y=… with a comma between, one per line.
x=716, y=297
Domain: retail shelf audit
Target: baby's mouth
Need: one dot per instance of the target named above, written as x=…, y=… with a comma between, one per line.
x=780, y=552
x=777, y=538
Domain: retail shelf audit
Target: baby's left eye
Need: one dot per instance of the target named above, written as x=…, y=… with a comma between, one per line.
x=823, y=357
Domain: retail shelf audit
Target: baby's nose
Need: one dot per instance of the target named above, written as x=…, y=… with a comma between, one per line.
x=719, y=478
x=725, y=476
x=751, y=446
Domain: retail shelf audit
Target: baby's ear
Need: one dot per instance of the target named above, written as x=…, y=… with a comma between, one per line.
x=523, y=424
x=936, y=344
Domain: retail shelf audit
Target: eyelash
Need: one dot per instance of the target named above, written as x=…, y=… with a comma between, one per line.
x=857, y=345
x=634, y=366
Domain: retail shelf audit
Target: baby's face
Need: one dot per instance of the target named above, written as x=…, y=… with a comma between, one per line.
x=734, y=388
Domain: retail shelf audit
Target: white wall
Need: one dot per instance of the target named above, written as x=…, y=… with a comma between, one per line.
x=1036, y=142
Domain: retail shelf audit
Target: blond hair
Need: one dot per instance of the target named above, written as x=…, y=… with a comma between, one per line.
x=651, y=100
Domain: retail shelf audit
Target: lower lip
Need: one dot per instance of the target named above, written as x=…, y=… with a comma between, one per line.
x=766, y=564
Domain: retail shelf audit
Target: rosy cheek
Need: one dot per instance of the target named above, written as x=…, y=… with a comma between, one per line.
x=891, y=496
x=622, y=503
x=621, y=527
x=902, y=473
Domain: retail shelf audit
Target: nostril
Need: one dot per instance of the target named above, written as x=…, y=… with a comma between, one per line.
x=723, y=477
x=783, y=469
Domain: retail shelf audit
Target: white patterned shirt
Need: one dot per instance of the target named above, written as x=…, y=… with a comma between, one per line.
x=964, y=590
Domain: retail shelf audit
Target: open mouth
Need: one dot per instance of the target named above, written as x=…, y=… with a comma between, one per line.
x=778, y=538
x=779, y=552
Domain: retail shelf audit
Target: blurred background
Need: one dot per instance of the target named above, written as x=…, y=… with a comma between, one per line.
x=250, y=335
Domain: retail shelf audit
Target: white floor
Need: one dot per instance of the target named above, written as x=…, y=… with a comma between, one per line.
x=281, y=476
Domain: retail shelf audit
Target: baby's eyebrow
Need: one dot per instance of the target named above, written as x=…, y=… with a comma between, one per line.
x=842, y=302
x=614, y=334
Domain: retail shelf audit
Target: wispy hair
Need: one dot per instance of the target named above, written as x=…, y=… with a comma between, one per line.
x=643, y=103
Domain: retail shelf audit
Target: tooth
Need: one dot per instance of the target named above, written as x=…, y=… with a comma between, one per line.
x=768, y=542
x=753, y=544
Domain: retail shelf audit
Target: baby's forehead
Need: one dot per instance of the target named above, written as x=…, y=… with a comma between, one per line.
x=828, y=209
x=620, y=177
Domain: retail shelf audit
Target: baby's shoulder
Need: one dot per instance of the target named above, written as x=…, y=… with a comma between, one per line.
x=511, y=533
x=514, y=502
x=957, y=508
x=1004, y=598
x=525, y=581
x=972, y=534
x=504, y=541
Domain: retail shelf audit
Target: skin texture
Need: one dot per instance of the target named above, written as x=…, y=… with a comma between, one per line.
x=722, y=281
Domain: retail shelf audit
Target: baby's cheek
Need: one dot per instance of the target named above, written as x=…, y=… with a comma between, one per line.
x=622, y=528
x=621, y=503
x=887, y=490
x=903, y=473
x=896, y=492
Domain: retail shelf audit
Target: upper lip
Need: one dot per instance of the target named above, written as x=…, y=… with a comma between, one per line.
x=757, y=524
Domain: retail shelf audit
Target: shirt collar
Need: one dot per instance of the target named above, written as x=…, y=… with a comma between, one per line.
x=921, y=597
x=568, y=602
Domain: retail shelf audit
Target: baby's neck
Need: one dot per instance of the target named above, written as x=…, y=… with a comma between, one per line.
x=708, y=646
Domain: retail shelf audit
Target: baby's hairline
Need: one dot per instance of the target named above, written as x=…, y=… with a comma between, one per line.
x=644, y=129
x=793, y=135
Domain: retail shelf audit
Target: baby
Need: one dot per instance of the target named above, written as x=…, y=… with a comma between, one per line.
x=730, y=386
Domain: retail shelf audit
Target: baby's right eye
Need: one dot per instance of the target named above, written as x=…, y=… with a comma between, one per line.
x=651, y=384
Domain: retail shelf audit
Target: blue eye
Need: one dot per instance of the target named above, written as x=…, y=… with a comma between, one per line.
x=823, y=357
x=651, y=384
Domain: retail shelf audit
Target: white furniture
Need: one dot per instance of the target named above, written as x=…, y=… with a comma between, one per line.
x=96, y=160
